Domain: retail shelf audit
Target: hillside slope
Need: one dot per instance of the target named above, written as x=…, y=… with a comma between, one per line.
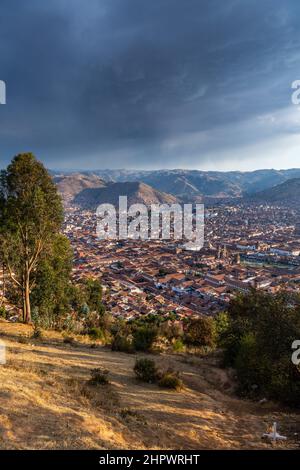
x=137, y=193
x=193, y=185
x=47, y=404
x=183, y=185
x=70, y=185
x=289, y=191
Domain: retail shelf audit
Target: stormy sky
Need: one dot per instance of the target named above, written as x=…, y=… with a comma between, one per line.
x=202, y=84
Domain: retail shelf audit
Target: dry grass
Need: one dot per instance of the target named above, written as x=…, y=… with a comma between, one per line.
x=46, y=402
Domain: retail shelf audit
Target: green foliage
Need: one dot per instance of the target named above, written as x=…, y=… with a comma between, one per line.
x=31, y=214
x=178, y=346
x=152, y=320
x=172, y=316
x=86, y=300
x=98, y=326
x=144, y=337
x=96, y=333
x=68, y=323
x=221, y=325
x=93, y=295
x=84, y=309
x=248, y=365
x=146, y=370
x=52, y=292
x=3, y=312
x=142, y=334
x=171, y=380
x=78, y=299
x=122, y=337
x=35, y=317
x=257, y=342
x=91, y=320
x=122, y=343
x=200, y=332
x=106, y=322
x=171, y=330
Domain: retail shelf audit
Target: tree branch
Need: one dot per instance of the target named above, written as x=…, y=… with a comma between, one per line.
x=13, y=277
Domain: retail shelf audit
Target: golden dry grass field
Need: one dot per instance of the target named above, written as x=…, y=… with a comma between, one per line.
x=47, y=403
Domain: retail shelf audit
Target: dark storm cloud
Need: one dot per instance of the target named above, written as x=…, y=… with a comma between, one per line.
x=140, y=83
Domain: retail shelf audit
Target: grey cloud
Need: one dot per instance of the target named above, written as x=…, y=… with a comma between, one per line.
x=119, y=82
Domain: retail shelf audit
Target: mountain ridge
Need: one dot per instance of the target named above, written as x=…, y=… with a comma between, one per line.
x=136, y=192
x=70, y=185
x=287, y=191
x=176, y=185
x=193, y=185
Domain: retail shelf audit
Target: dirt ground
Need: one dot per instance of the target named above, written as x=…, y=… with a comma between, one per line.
x=46, y=402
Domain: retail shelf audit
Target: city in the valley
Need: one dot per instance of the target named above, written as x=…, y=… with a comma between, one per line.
x=246, y=246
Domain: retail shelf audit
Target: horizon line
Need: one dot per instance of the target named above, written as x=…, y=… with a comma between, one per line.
x=78, y=170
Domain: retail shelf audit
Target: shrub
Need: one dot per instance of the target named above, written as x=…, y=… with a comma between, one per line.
x=127, y=414
x=99, y=377
x=178, y=346
x=146, y=370
x=200, y=332
x=84, y=310
x=96, y=333
x=106, y=321
x=247, y=365
x=91, y=320
x=171, y=330
x=37, y=332
x=144, y=337
x=68, y=324
x=221, y=324
x=3, y=312
x=170, y=379
x=93, y=293
x=257, y=343
x=122, y=343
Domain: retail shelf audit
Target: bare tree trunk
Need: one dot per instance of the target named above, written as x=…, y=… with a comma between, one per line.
x=24, y=305
x=24, y=286
x=27, y=313
x=3, y=274
x=3, y=285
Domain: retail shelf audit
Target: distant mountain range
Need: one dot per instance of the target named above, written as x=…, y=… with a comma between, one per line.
x=191, y=184
x=287, y=192
x=167, y=186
